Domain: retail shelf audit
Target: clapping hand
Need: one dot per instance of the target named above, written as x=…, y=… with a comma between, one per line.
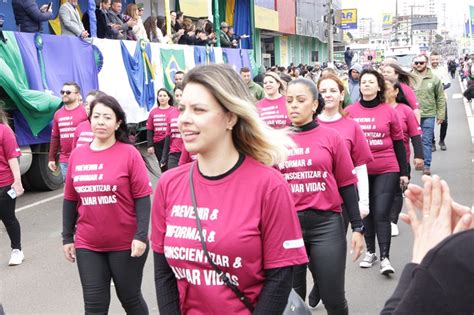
x=441, y=216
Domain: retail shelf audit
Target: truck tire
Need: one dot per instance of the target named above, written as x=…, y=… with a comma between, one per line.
x=39, y=177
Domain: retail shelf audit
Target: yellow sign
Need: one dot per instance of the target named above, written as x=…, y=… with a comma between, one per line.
x=266, y=19
x=387, y=20
x=194, y=8
x=348, y=18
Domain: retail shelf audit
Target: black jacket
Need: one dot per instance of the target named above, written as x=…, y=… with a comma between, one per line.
x=443, y=283
x=28, y=16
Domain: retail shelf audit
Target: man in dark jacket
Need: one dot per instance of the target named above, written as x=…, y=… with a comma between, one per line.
x=29, y=16
x=101, y=18
x=348, y=55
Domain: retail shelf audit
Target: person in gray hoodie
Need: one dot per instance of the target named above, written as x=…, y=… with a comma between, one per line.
x=353, y=82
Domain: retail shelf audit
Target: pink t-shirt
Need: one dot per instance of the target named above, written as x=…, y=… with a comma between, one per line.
x=316, y=168
x=381, y=127
x=157, y=122
x=273, y=112
x=83, y=134
x=176, y=141
x=409, y=95
x=250, y=225
x=65, y=122
x=186, y=157
x=8, y=150
x=409, y=125
x=105, y=187
x=355, y=140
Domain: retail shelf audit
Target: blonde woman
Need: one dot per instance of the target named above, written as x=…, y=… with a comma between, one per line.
x=245, y=207
x=271, y=108
x=139, y=29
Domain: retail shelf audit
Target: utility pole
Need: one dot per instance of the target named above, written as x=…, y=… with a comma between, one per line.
x=330, y=33
x=396, y=22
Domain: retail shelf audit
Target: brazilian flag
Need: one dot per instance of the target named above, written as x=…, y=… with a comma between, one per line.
x=172, y=61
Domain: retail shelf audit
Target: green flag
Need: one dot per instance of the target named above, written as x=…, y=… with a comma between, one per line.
x=172, y=61
x=37, y=107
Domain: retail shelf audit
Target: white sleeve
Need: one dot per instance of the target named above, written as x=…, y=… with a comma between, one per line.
x=363, y=189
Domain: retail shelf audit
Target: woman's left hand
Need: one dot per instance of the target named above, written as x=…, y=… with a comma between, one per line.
x=138, y=248
x=404, y=181
x=357, y=245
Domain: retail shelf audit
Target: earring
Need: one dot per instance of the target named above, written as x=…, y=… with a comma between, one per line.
x=229, y=128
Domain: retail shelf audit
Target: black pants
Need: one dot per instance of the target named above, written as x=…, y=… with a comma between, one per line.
x=443, y=128
x=173, y=160
x=397, y=204
x=326, y=246
x=382, y=189
x=8, y=217
x=96, y=269
x=159, y=153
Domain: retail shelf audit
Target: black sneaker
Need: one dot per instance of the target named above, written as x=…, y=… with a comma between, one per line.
x=433, y=147
x=314, y=298
x=442, y=146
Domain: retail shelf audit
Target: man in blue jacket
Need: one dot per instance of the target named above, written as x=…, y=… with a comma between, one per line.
x=29, y=17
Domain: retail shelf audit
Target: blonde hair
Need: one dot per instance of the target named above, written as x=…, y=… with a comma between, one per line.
x=132, y=11
x=251, y=136
x=277, y=78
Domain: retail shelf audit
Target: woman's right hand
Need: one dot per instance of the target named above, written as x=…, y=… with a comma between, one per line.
x=70, y=252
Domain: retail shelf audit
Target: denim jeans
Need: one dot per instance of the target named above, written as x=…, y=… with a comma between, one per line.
x=427, y=127
x=63, y=168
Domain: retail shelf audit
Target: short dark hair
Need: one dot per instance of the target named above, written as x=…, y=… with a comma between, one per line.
x=179, y=14
x=104, y=1
x=178, y=86
x=435, y=53
x=179, y=72
x=244, y=69
x=74, y=84
x=116, y=1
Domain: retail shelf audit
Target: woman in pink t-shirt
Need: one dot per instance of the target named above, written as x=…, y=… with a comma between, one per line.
x=383, y=131
x=173, y=142
x=333, y=116
x=393, y=71
x=319, y=172
x=246, y=213
x=106, y=212
x=271, y=108
x=10, y=188
x=157, y=123
x=411, y=131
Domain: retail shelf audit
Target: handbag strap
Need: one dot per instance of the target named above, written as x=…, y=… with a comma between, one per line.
x=219, y=272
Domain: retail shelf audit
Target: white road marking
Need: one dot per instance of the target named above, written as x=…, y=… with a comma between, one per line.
x=39, y=202
x=457, y=96
x=469, y=112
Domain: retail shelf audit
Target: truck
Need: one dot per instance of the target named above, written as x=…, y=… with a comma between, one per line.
x=35, y=66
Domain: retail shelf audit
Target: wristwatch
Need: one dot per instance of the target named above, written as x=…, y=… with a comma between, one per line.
x=360, y=229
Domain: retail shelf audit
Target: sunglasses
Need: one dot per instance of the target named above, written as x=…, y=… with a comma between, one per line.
x=62, y=92
x=419, y=63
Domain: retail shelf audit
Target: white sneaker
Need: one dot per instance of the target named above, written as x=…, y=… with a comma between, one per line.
x=369, y=260
x=395, y=231
x=385, y=267
x=16, y=257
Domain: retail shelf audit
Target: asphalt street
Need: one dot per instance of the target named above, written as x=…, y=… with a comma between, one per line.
x=47, y=284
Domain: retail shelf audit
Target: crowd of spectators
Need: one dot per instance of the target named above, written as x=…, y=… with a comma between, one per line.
x=115, y=22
